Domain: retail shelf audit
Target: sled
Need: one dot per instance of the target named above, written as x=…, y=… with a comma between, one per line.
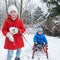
x=43, y=49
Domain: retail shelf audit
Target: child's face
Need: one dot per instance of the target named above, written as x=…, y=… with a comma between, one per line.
x=13, y=15
x=39, y=32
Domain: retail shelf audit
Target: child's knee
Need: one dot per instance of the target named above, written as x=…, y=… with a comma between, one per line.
x=10, y=53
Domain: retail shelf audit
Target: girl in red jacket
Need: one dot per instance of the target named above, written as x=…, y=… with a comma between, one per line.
x=13, y=28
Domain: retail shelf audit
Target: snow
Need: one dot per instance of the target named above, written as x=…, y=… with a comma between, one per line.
x=53, y=45
x=34, y=4
x=2, y=5
x=41, y=4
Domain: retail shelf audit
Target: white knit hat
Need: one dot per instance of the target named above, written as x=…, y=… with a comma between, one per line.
x=11, y=8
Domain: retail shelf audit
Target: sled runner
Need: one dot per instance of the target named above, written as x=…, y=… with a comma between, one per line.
x=45, y=49
x=41, y=49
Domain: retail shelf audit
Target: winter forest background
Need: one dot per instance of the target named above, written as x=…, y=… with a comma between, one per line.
x=33, y=12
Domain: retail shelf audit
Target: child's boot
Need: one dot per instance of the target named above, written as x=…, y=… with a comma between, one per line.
x=17, y=58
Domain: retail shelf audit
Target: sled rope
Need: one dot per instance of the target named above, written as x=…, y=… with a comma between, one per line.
x=25, y=39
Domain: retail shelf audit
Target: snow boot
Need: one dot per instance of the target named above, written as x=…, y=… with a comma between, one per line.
x=17, y=58
x=32, y=57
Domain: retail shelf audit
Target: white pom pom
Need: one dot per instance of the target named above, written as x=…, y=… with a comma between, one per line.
x=13, y=30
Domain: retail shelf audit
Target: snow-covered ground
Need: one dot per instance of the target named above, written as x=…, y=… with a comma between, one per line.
x=53, y=44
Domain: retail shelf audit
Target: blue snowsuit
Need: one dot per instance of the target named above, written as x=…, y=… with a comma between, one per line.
x=40, y=39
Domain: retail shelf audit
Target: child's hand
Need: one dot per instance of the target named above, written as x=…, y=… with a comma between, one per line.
x=35, y=44
x=47, y=45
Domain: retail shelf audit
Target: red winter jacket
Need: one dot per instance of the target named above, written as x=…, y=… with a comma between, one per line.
x=18, y=39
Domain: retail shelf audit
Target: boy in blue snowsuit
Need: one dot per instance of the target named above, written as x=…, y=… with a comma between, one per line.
x=39, y=40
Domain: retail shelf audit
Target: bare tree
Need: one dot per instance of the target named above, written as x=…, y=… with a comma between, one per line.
x=21, y=9
x=6, y=6
x=15, y=2
x=10, y=2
